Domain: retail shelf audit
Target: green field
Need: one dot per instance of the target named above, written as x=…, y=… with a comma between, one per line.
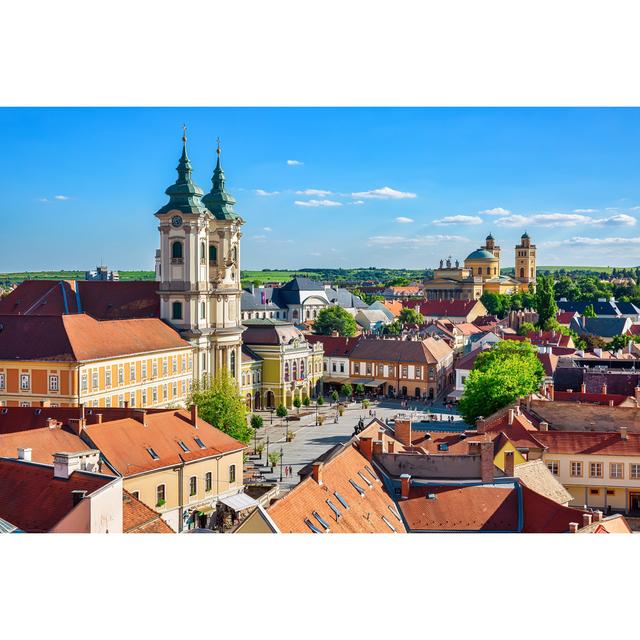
x=15, y=278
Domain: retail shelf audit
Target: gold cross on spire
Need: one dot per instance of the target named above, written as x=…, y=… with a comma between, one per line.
x=184, y=133
x=218, y=141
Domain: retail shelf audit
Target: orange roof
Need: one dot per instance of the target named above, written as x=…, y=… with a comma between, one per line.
x=395, y=306
x=139, y=518
x=44, y=442
x=365, y=512
x=79, y=337
x=124, y=443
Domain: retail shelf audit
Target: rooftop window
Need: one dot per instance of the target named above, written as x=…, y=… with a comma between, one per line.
x=312, y=526
x=389, y=524
x=395, y=512
x=152, y=453
x=341, y=500
x=183, y=446
x=357, y=487
x=321, y=520
x=334, y=508
x=200, y=443
x=366, y=480
x=443, y=447
x=370, y=471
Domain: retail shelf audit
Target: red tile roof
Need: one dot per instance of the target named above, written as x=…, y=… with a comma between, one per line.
x=461, y=508
x=334, y=346
x=364, y=514
x=139, y=518
x=124, y=443
x=543, y=515
x=590, y=398
x=78, y=338
x=565, y=317
x=430, y=350
x=447, y=308
x=103, y=300
x=590, y=442
x=34, y=501
x=43, y=442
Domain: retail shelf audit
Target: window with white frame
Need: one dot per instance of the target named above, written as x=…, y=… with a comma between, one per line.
x=132, y=399
x=183, y=362
x=121, y=374
x=595, y=469
x=84, y=381
x=54, y=383
x=25, y=381
x=107, y=403
x=208, y=481
x=94, y=380
x=154, y=368
x=165, y=391
x=143, y=371
x=165, y=367
x=174, y=390
x=3, y=380
x=121, y=400
x=107, y=377
x=25, y=404
x=576, y=469
x=144, y=397
x=161, y=495
x=183, y=386
x=193, y=485
x=132, y=372
x=174, y=364
x=616, y=470
x=553, y=466
x=154, y=395
x=634, y=471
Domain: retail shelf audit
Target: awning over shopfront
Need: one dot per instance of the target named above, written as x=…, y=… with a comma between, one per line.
x=365, y=382
x=456, y=394
x=239, y=502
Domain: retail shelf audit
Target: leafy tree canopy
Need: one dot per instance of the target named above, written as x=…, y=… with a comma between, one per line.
x=410, y=316
x=335, y=318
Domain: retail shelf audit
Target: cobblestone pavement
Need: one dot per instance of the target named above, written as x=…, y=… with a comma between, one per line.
x=311, y=441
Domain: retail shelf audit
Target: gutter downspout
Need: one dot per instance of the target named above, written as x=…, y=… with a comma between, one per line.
x=181, y=498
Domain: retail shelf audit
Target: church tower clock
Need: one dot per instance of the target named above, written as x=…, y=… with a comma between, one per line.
x=198, y=269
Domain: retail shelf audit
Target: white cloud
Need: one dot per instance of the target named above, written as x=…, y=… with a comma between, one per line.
x=262, y=192
x=259, y=238
x=294, y=163
x=314, y=192
x=356, y=202
x=550, y=220
x=403, y=220
x=496, y=211
x=579, y=241
x=619, y=220
x=267, y=229
x=458, y=220
x=412, y=242
x=43, y=199
x=318, y=203
x=61, y=197
x=584, y=210
x=384, y=193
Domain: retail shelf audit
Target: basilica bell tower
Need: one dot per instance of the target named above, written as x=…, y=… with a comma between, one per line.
x=198, y=269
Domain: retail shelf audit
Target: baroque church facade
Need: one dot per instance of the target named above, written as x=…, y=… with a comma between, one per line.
x=198, y=269
x=481, y=273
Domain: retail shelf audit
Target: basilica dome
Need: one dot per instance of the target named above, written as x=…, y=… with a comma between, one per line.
x=480, y=254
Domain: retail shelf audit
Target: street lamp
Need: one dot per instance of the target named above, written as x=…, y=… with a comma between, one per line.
x=271, y=412
x=267, y=456
x=316, y=412
x=280, y=464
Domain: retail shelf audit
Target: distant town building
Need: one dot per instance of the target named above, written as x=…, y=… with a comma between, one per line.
x=102, y=273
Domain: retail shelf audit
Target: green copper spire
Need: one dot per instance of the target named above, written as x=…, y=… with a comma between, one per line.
x=184, y=195
x=218, y=201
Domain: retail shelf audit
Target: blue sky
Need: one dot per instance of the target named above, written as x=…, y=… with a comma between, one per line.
x=325, y=187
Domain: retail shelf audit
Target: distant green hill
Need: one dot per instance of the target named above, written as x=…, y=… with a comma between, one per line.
x=17, y=277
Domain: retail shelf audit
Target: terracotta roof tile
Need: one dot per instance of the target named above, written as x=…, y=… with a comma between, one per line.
x=33, y=500
x=139, y=518
x=590, y=442
x=43, y=442
x=428, y=351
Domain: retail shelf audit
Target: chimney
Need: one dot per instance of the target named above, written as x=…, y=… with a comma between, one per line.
x=583, y=388
x=316, y=472
x=98, y=417
x=194, y=415
x=597, y=516
x=481, y=424
x=486, y=461
x=77, y=496
x=366, y=447
x=24, y=454
x=509, y=463
x=64, y=464
x=573, y=527
x=77, y=425
x=402, y=430
x=543, y=426
x=586, y=519
x=390, y=446
x=378, y=447
x=405, y=485
x=604, y=389
x=551, y=391
x=624, y=433
x=511, y=414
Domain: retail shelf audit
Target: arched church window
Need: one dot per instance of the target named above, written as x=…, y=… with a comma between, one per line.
x=176, y=250
x=294, y=371
x=176, y=310
x=286, y=372
x=203, y=310
x=234, y=253
x=522, y=272
x=488, y=271
x=302, y=368
x=213, y=253
x=479, y=271
x=203, y=252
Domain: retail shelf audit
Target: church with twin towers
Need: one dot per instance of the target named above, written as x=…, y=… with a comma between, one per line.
x=198, y=268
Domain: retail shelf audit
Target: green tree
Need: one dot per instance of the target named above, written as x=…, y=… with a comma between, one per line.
x=526, y=328
x=359, y=389
x=281, y=412
x=589, y=311
x=393, y=329
x=502, y=374
x=410, y=316
x=545, y=301
x=618, y=342
x=306, y=401
x=320, y=400
x=346, y=390
x=256, y=421
x=220, y=405
x=297, y=404
x=334, y=395
x=398, y=282
x=274, y=458
x=332, y=319
x=496, y=304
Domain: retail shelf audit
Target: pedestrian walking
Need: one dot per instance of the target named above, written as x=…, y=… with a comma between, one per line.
x=290, y=470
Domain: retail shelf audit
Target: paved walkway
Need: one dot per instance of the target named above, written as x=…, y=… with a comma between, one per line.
x=311, y=441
